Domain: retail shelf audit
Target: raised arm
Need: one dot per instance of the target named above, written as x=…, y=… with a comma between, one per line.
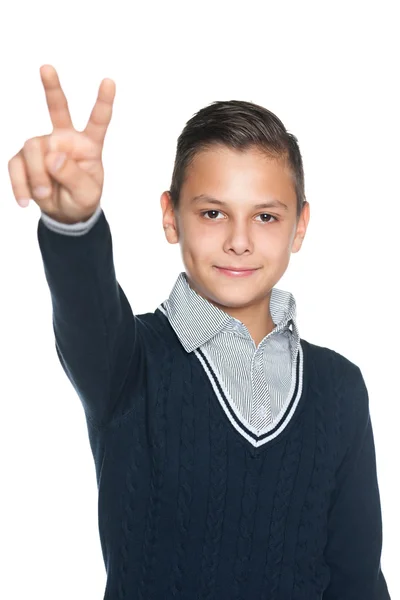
x=95, y=330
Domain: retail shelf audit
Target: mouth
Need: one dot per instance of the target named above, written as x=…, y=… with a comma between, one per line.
x=236, y=271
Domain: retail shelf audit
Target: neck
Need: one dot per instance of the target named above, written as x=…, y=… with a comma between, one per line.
x=257, y=319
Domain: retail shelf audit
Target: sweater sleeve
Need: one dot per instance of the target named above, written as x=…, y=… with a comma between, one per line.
x=96, y=336
x=353, y=551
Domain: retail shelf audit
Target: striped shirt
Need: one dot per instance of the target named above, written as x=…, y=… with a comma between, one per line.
x=255, y=385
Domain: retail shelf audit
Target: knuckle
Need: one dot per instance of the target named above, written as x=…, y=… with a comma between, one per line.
x=52, y=144
x=34, y=163
x=13, y=162
x=30, y=144
x=13, y=170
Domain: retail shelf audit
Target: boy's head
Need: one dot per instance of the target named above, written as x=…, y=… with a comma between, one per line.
x=233, y=159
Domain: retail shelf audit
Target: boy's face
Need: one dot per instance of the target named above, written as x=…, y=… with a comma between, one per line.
x=235, y=232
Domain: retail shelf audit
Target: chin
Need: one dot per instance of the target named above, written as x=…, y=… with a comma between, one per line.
x=230, y=293
x=232, y=299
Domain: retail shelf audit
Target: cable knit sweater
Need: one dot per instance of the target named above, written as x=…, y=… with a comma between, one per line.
x=188, y=507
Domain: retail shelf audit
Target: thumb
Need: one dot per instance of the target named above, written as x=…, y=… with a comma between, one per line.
x=64, y=170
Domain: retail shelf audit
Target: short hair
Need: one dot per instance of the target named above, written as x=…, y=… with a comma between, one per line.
x=239, y=125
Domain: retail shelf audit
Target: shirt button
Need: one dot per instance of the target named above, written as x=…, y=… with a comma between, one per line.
x=262, y=412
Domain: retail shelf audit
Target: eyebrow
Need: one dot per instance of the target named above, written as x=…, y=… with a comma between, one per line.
x=273, y=203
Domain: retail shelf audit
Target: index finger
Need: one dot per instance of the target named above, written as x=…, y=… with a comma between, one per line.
x=101, y=114
x=55, y=98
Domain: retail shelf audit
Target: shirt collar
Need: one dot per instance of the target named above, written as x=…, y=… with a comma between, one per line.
x=195, y=320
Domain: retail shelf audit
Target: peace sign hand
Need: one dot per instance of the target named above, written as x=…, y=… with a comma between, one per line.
x=69, y=192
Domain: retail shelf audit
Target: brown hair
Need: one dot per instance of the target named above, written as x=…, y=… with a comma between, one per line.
x=238, y=125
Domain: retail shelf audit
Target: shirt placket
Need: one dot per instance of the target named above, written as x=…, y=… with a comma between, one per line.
x=261, y=403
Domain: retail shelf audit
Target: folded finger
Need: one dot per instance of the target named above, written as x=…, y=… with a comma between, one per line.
x=38, y=177
x=19, y=179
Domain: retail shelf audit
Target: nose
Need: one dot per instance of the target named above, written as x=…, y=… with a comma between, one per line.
x=238, y=238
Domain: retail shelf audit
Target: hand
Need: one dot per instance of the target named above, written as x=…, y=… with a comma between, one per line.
x=71, y=192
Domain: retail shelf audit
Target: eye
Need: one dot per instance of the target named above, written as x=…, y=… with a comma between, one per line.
x=267, y=215
x=210, y=211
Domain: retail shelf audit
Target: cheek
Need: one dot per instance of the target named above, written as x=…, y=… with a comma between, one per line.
x=270, y=244
x=199, y=241
x=200, y=249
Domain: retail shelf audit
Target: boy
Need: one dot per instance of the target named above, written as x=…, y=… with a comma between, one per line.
x=234, y=459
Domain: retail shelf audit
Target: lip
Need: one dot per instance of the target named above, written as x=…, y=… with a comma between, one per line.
x=236, y=271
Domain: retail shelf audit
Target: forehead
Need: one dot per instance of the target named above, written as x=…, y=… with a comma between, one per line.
x=222, y=171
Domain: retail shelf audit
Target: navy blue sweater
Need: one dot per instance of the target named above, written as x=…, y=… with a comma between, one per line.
x=188, y=508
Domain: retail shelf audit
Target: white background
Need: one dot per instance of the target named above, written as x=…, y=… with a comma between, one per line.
x=330, y=72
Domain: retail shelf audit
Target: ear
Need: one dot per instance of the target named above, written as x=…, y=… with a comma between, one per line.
x=301, y=227
x=169, y=218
